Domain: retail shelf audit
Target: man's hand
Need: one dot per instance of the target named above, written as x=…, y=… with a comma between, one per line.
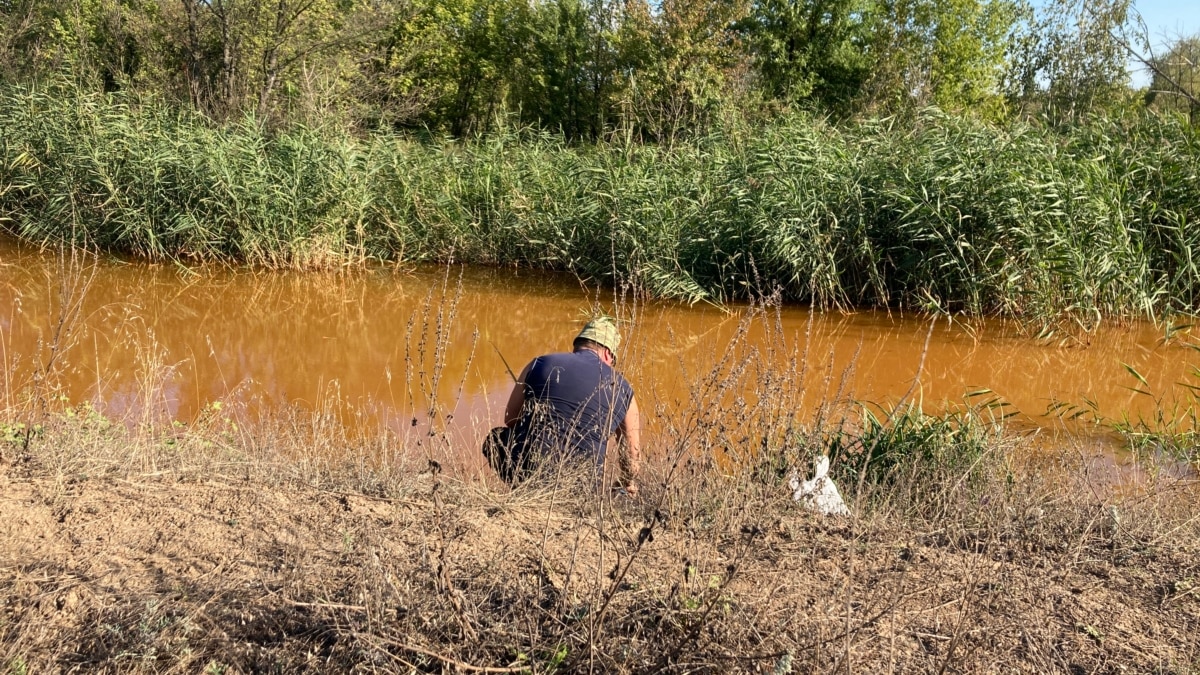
x=629, y=450
x=628, y=488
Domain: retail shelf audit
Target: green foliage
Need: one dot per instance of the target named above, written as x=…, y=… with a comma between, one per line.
x=449, y=61
x=946, y=214
x=895, y=54
x=892, y=441
x=687, y=60
x=1070, y=60
x=224, y=57
x=811, y=50
x=12, y=432
x=586, y=69
x=567, y=47
x=949, y=53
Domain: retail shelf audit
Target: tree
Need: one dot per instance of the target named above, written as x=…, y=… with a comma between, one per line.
x=265, y=44
x=950, y=53
x=811, y=50
x=691, y=53
x=1071, y=57
x=847, y=55
x=1176, y=82
x=457, y=57
x=222, y=56
x=38, y=36
x=565, y=80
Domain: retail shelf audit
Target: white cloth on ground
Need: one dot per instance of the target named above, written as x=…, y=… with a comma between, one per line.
x=819, y=494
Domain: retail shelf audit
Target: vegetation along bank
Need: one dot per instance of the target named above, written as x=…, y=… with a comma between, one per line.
x=945, y=212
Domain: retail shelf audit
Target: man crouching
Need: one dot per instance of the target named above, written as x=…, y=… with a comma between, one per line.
x=566, y=406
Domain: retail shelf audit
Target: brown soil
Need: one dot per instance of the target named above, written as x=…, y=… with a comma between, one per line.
x=236, y=566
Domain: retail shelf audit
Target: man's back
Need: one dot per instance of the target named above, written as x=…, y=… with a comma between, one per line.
x=573, y=402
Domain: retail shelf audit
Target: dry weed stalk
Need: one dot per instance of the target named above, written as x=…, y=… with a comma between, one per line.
x=77, y=270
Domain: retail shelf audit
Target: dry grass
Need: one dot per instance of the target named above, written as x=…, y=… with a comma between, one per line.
x=130, y=551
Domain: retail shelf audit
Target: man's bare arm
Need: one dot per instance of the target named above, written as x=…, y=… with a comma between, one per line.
x=512, y=410
x=629, y=451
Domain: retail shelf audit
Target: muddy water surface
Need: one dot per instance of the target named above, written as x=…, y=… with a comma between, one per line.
x=384, y=347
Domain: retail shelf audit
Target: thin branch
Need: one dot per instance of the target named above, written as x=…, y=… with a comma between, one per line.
x=1151, y=63
x=443, y=658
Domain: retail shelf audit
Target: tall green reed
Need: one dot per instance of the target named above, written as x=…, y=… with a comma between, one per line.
x=886, y=442
x=946, y=214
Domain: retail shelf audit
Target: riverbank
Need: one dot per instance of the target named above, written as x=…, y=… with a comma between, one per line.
x=948, y=214
x=197, y=550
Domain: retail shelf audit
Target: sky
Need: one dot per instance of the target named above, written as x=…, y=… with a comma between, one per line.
x=1166, y=21
x=1170, y=17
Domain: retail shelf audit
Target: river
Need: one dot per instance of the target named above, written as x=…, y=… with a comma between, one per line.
x=384, y=347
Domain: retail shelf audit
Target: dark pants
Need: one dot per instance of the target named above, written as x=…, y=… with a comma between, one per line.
x=509, y=458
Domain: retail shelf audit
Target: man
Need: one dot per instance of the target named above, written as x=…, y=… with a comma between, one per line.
x=566, y=406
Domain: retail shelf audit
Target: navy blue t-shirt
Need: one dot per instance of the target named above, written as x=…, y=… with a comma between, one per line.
x=573, y=402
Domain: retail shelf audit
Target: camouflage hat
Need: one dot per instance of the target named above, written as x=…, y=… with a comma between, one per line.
x=602, y=331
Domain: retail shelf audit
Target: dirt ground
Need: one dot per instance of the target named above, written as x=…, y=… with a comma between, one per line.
x=245, y=568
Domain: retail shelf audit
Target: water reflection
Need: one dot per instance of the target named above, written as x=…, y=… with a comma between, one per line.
x=390, y=345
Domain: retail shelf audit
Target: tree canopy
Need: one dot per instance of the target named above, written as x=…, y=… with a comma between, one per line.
x=586, y=68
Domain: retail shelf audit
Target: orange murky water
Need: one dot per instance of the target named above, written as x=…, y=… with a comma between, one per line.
x=387, y=346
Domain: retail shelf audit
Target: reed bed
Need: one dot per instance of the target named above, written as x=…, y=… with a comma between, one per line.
x=946, y=214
